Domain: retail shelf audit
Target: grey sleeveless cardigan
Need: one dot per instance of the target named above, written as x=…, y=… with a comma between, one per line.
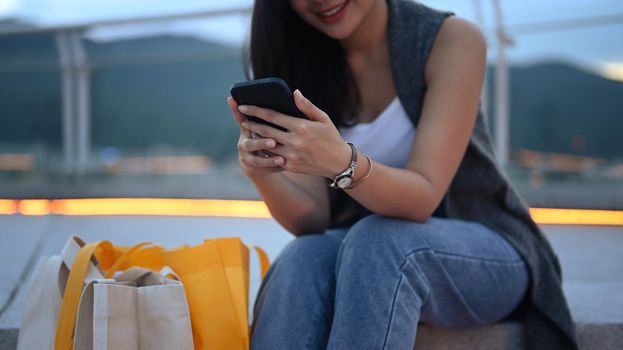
x=479, y=191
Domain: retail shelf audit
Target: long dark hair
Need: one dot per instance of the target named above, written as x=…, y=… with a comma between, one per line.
x=284, y=45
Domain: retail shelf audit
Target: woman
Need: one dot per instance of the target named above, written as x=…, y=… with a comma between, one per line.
x=425, y=227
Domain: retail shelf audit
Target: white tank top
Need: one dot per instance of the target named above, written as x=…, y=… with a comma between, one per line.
x=387, y=139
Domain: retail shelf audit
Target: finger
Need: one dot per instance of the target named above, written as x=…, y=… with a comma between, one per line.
x=262, y=162
x=265, y=131
x=238, y=117
x=311, y=111
x=285, y=121
x=281, y=150
x=252, y=145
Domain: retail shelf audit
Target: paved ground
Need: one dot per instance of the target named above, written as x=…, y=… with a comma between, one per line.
x=592, y=257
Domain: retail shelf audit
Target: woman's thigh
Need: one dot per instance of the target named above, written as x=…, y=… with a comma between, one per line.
x=305, y=263
x=293, y=309
x=470, y=274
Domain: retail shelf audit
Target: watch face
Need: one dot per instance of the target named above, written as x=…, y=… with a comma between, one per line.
x=344, y=182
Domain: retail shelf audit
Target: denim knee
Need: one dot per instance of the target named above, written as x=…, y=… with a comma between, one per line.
x=306, y=259
x=376, y=238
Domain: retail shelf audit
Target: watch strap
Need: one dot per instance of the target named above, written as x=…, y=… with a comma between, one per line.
x=350, y=169
x=358, y=182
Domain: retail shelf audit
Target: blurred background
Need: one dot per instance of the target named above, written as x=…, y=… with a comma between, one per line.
x=127, y=98
x=113, y=113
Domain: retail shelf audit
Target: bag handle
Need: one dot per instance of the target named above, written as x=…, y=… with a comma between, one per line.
x=168, y=272
x=264, y=262
x=125, y=257
x=68, y=255
x=63, y=339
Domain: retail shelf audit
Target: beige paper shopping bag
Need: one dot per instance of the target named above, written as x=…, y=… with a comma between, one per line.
x=138, y=309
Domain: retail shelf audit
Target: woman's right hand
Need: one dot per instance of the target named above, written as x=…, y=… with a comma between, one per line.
x=249, y=148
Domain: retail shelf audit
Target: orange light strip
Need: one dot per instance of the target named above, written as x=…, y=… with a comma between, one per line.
x=8, y=207
x=243, y=208
x=34, y=207
x=161, y=206
x=577, y=216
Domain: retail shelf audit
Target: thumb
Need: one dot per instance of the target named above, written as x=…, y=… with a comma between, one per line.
x=309, y=109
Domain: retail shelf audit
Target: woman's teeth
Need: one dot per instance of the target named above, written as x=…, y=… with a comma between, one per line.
x=332, y=12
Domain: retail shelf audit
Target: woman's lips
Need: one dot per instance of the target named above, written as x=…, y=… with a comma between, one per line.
x=334, y=14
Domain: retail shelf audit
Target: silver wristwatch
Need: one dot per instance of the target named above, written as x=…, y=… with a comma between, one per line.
x=345, y=178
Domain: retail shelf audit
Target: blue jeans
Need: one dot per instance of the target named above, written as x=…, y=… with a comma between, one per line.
x=368, y=286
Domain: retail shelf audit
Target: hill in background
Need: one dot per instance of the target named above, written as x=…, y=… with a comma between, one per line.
x=170, y=92
x=556, y=107
x=157, y=92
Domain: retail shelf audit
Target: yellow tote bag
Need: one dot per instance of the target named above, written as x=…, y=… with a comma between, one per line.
x=215, y=275
x=213, y=317
x=149, y=257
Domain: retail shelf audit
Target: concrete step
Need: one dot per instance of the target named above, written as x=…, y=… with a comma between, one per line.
x=590, y=257
x=502, y=336
x=510, y=336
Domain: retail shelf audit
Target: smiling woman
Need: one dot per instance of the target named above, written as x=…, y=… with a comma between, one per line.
x=418, y=232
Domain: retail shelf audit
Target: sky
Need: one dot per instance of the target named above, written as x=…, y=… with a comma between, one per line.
x=599, y=48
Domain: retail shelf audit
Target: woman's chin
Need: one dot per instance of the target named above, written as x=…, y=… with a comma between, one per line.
x=337, y=32
x=339, y=35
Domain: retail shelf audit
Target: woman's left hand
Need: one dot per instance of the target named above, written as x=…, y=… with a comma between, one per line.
x=312, y=146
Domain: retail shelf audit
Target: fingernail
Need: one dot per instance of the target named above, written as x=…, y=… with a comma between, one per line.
x=298, y=93
x=279, y=161
x=244, y=124
x=270, y=143
x=243, y=108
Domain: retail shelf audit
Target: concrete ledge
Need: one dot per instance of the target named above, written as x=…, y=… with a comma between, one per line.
x=8, y=339
x=599, y=336
x=510, y=336
x=589, y=255
x=502, y=336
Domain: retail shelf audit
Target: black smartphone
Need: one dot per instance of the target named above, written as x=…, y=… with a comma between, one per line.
x=272, y=93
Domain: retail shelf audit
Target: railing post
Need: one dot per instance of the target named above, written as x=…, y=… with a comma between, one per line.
x=83, y=108
x=501, y=88
x=76, y=101
x=64, y=52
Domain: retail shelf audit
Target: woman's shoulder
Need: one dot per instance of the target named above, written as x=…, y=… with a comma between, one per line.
x=459, y=42
x=431, y=25
x=456, y=30
x=457, y=33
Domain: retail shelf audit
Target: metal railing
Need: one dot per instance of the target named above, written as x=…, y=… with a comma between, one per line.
x=75, y=71
x=76, y=68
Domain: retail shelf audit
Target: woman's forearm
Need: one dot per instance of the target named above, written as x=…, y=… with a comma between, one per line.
x=298, y=202
x=395, y=192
